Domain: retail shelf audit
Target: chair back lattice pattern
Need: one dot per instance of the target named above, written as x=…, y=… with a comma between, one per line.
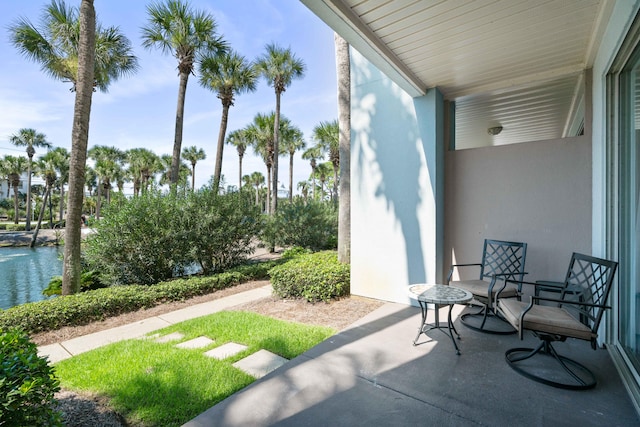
x=500, y=257
x=589, y=279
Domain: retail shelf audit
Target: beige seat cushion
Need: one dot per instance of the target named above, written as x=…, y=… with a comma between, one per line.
x=480, y=288
x=553, y=320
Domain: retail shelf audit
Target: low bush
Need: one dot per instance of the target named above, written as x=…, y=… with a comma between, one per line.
x=136, y=241
x=158, y=236
x=314, y=277
x=27, y=383
x=90, y=306
x=220, y=229
x=310, y=225
x=15, y=227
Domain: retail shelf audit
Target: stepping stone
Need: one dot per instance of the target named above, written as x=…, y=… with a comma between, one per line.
x=196, y=343
x=227, y=350
x=260, y=363
x=175, y=336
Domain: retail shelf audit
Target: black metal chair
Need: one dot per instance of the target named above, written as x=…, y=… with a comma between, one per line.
x=500, y=260
x=576, y=314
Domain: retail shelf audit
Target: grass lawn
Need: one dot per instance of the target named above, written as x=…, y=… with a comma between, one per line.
x=157, y=384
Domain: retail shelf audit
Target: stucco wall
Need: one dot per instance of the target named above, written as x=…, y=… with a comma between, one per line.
x=535, y=192
x=396, y=178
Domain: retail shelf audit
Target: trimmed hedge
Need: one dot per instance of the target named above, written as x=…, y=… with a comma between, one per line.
x=314, y=277
x=90, y=306
x=15, y=227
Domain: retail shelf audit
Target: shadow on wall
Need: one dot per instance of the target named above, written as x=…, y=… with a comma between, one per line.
x=387, y=150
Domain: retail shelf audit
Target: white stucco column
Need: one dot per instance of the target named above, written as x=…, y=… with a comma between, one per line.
x=397, y=162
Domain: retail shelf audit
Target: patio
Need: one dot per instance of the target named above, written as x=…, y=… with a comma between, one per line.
x=371, y=374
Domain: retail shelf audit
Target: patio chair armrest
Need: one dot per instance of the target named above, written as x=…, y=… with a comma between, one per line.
x=453, y=266
x=562, y=301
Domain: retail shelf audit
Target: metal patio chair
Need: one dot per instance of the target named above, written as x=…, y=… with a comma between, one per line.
x=501, y=260
x=576, y=314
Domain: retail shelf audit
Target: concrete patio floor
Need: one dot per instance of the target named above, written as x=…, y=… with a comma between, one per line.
x=371, y=374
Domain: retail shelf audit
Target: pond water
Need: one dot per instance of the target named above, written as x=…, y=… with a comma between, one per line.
x=26, y=272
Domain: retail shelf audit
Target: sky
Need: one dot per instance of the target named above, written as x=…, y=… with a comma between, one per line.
x=139, y=110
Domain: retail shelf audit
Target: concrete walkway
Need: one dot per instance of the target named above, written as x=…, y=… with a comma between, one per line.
x=64, y=350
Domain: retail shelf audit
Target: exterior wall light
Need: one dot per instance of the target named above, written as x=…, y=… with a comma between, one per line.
x=494, y=130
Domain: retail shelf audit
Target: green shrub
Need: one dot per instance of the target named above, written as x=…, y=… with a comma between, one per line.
x=27, y=383
x=311, y=225
x=137, y=242
x=15, y=227
x=314, y=277
x=95, y=305
x=158, y=236
x=220, y=229
x=89, y=280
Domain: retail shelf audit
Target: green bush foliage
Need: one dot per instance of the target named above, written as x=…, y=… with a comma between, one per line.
x=158, y=236
x=15, y=227
x=90, y=306
x=311, y=225
x=314, y=277
x=89, y=280
x=220, y=228
x=137, y=242
x=27, y=383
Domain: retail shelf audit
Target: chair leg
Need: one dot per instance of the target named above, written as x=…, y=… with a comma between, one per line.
x=471, y=320
x=580, y=377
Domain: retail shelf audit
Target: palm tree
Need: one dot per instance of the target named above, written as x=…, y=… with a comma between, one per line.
x=322, y=172
x=15, y=167
x=143, y=164
x=261, y=136
x=313, y=154
x=54, y=43
x=229, y=74
x=72, y=269
x=61, y=158
x=279, y=67
x=238, y=138
x=327, y=137
x=193, y=154
x=343, y=68
x=29, y=138
x=107, y=161
x=174, y=27
x=46, y=167
x=4, y=174
x=166, y=162
x=90, y=179
x=303, y=186
x=292, y=141
x=257, y=180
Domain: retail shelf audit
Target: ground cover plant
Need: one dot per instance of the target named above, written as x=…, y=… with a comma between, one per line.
x=157, y=384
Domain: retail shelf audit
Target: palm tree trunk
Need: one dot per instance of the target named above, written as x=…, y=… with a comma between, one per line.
x=344, y=146
x=16, y=204
x=62, y=201
x=40, y=216
x=269, y=205
x=276, y=154
x=291, y=177
x=27, y=226
x=239, y=173
x=177, y=142
x=193, y=177
x=98, y=198
x=72, y=269
x=223, y=130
